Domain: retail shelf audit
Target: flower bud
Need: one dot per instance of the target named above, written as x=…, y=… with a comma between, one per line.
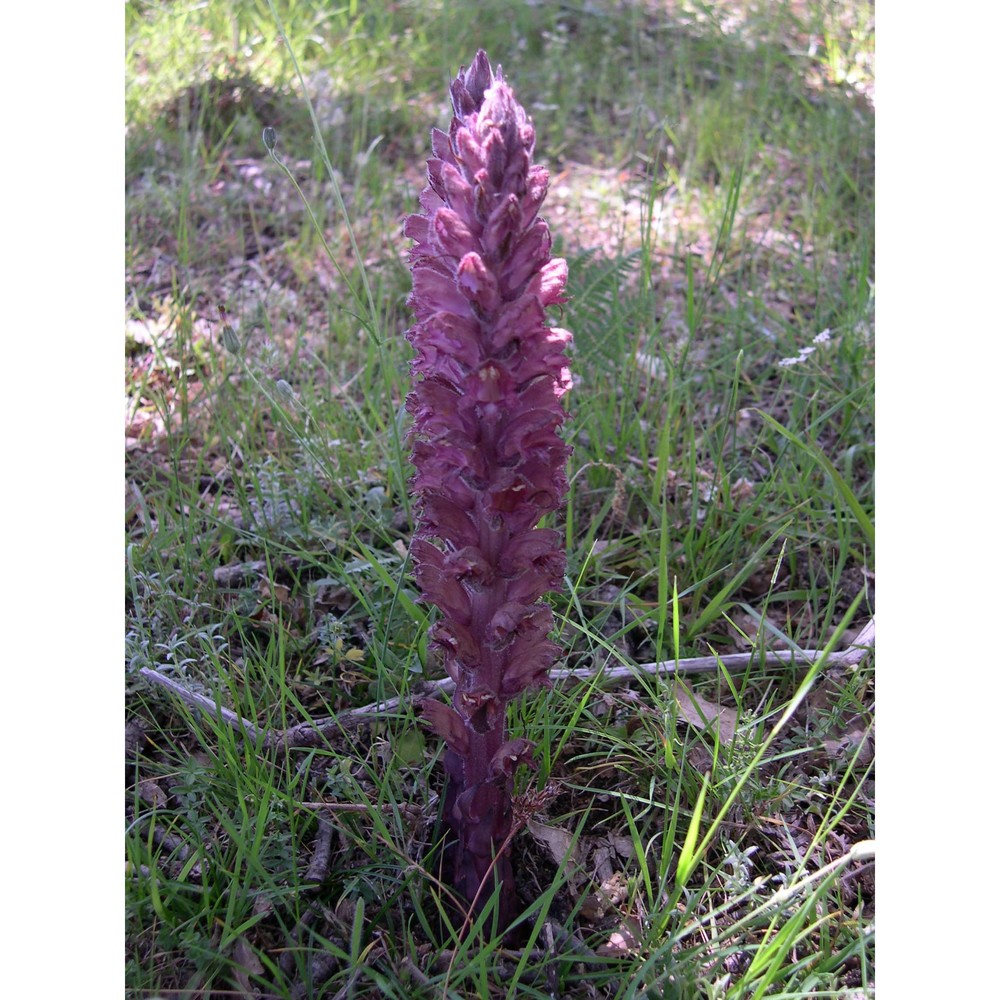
x=230, y=340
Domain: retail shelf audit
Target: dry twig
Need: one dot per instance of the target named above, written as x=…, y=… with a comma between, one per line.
x=200, y=701
x=319, y=867
x=321, y=731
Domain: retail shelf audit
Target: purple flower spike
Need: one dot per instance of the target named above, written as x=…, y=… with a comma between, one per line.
x=489, y=376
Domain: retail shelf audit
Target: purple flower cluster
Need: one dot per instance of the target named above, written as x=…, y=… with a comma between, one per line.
x=489, y=376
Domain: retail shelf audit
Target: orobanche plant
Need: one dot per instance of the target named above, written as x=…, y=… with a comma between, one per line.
x=489, y=375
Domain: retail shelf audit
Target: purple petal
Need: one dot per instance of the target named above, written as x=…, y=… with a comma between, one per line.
x=447, y=723
x=477, y=282
x=510, y=755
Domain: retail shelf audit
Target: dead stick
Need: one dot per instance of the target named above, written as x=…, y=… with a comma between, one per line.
x=310, y=734
x=286, y=961
x=409, y=812
x=691, y=665
x=319, y=867
x=201, y=701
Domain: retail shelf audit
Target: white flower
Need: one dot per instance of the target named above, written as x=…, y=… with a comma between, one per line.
x=804, y=352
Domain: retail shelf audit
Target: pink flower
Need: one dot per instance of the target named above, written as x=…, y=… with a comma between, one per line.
x=489, y=377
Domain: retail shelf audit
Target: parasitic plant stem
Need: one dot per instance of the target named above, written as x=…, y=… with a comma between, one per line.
x=489, y=375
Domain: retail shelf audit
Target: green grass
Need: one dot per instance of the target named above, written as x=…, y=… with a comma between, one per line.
x=712, y=189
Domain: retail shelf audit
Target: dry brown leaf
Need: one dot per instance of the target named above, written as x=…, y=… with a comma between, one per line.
x=560, y=845
x=245, y=962
x=262, y=617
x=558, y=841
x=603, y=858
x=612, y=892
x=152, y=794
x=622, y=941
x=278, y=591
x=701, y=713
x=853, y=742
x=245, y=958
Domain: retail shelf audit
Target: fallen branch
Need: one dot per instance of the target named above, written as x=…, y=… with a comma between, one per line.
x=289, y=955
x=322, y=967
x=409, y=812
x=319, y=867
x=241, y=574
x=321, y=731
x=862, y=851
x=200, y=701
x=175, y=849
